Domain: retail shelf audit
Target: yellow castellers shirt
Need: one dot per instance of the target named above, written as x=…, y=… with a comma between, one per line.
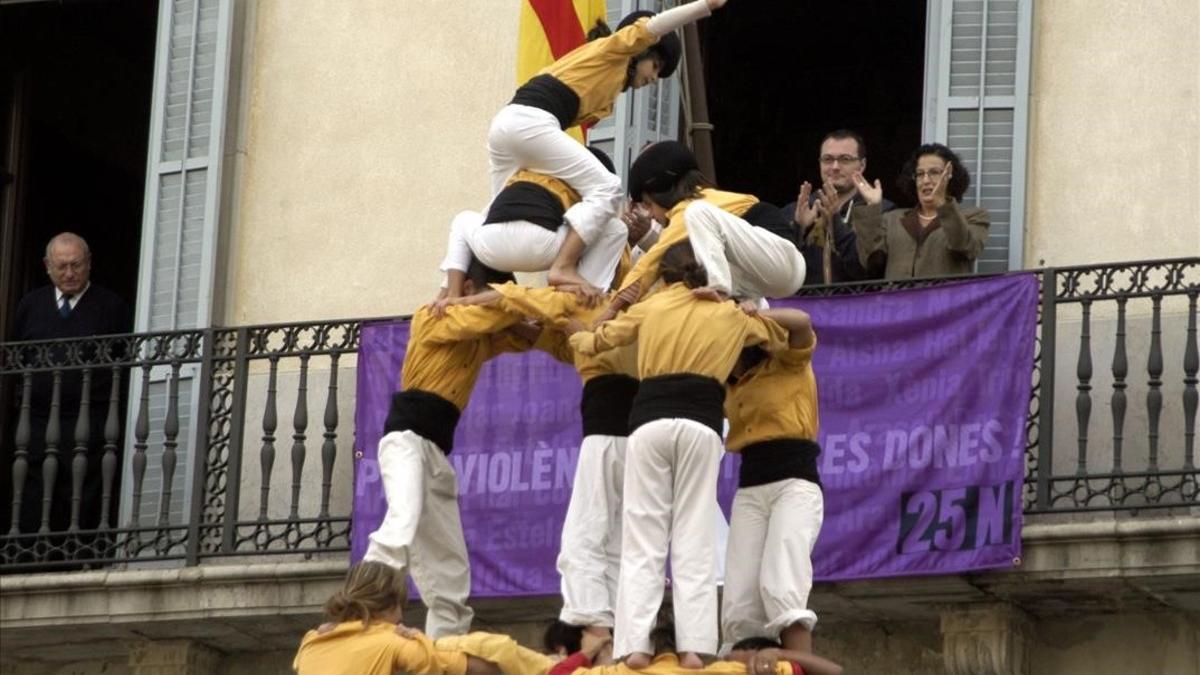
x=377, y=650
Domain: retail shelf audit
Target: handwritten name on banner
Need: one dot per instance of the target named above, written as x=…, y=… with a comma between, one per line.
x=923, y=400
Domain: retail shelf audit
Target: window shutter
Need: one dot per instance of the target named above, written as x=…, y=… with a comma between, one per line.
x=179, y=226
x=977, y=92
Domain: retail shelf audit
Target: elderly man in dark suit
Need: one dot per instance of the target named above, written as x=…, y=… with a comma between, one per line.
x=70, y=307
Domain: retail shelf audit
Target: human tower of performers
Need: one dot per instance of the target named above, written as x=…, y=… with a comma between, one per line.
x=670, y=338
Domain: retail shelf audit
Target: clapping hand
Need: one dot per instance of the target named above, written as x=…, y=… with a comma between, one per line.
x=939, y=190
x=873, y=194
x=828, y=197
x=806, y=208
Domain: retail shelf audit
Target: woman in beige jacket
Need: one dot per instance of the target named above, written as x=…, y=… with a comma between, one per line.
x=938, y=237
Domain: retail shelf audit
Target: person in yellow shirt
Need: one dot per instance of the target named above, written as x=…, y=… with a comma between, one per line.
x=742, y=261
x=581, y=87
x=687, y=347
x=523, y=231
x=771, y=405
x=499, y=654
x=363, y=636
x=590, y=555
x=589, y=558
x=422, y=530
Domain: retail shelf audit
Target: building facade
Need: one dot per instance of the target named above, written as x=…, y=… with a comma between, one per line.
x=305, y=160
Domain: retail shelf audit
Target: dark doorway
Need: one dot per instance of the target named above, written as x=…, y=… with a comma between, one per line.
x=781, y=75
x=75, y=92
x=76, y=80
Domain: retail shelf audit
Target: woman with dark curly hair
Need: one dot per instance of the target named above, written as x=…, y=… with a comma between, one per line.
x=937, y=237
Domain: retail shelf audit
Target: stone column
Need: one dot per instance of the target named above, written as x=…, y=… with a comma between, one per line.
x=173, y=657
x=991, y=639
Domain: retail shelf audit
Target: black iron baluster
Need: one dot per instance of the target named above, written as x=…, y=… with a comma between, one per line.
x=21, y=457
x=112, y=430
x=50, y=463
x=329, y=447
x=1083, y=400
x=1154, y=367
x=1120, y=368
x=299, y=427
x=141, y=432
x=1191, y=364
x=170, y=442
x=79, y=463
x=1045, y=446
x=237, y=429
x=267, y=455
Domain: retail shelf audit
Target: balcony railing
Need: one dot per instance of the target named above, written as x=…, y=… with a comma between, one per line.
x=234, y=508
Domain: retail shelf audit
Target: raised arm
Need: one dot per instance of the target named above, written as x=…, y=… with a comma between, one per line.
x=464, y=322
x=867, y=221
x=616, y=332
x=797, y=323
x=766, y=332
x=439, y=306
x=966, y=229
x=666, y=21
x=418, y=655
x=547, y=305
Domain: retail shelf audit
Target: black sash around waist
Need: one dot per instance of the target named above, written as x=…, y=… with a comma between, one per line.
x=425, y=413
x=686, y=396
x=523, y=200
x=546, y=92
x=606, y=404
x=769, y=461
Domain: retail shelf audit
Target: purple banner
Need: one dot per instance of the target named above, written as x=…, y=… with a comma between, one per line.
x=923, y=400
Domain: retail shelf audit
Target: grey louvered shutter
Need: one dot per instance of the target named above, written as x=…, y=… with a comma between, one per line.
x=639, y=117
x=179, y=224
x=977, y=93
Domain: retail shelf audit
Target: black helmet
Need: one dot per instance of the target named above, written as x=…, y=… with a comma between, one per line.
x=659, y=168
x=668, y=48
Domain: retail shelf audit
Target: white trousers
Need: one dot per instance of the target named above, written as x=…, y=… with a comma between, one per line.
x=671, y=468
x=590, y=557
x=521, y=246
x=524, y=137
x=422, y=531
x=768, y=565
x=742, y=260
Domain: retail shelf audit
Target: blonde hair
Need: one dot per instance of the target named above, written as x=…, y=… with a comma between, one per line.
x=371, y=588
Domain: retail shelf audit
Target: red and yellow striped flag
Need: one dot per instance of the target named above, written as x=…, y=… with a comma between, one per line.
x=550, y=29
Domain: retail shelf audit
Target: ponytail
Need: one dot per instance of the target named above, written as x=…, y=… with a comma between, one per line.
x=341, y=607
x=371, y=589
x=679, y=264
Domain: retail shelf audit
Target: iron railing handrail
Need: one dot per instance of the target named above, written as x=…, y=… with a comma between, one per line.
x=217, y=527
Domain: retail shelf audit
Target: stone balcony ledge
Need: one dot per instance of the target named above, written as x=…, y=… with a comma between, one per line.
x=1075, y=567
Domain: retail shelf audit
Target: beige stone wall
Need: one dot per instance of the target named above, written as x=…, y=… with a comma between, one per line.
x=1160, y=642
x=363, y=131
x=1114, y=144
